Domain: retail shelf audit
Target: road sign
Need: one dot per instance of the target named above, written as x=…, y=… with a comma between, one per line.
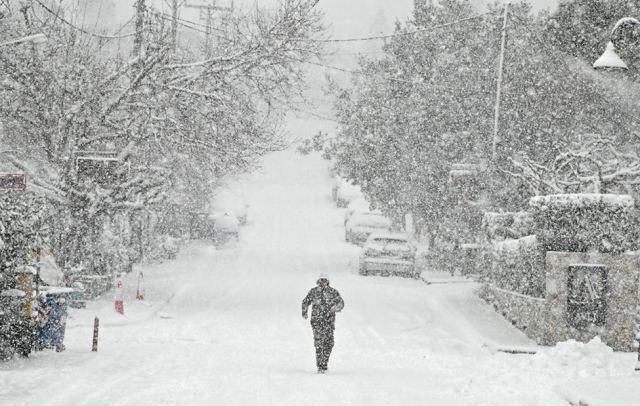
x=13, y=181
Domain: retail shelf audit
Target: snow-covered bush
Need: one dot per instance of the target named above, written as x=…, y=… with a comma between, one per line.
x=506, y=225
x=518, y=266
x=582, y=222
x=22, y=231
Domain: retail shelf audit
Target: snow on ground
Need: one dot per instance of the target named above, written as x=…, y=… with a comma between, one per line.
x=224, y=327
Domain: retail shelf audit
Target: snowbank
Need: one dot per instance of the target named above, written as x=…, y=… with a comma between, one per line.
x=600, y=391
x=576, y=359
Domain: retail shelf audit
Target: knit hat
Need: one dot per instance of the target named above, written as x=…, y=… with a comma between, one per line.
x=323, y=276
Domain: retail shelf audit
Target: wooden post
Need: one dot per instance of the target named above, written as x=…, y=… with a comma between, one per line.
x=96, y=326
x=140, y=290
x=637, y=368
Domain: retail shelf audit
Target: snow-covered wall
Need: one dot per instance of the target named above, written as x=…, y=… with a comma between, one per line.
x=620, y=293
x=517, y=265
x=524, y=312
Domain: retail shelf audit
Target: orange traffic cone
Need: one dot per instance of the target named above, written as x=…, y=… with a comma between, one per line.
x=140, y=290
x=119, y=296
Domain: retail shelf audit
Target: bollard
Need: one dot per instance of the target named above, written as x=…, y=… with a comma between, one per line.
x=96, y=323
x=637, y=368
x=140, y=290
x=119, y=296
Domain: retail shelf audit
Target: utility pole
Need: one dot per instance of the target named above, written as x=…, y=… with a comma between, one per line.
x=24, y=9
x=206, y=14
x=141, y=8
x=496, y=119
x=174, y=25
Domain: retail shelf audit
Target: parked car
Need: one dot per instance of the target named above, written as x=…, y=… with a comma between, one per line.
x=358, y=205
x=344, y=192
x=231, y=203
x=201, y=226
x=226, y=229
x=169, y=246
x=388, y=254
x=362, y=224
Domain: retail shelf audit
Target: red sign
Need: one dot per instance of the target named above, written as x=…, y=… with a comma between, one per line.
x=13, y=181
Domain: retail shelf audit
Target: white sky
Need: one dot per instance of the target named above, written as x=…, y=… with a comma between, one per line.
x=347, y=18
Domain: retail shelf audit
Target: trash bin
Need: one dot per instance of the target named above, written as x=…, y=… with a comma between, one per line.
x=77, y=298
x=17, y=332
x=52, y=318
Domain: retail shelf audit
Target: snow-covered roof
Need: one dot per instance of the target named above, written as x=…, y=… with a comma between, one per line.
x=226, y=223
x=56, y=290
x=364, y=219
x=26, y=269
x=456, y=173
x=12, y=293
x=359, y=204
x=390, y=236
x=97, y=158
x=582, y=199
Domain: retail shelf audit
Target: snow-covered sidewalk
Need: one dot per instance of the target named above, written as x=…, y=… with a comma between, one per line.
x=608, y=391
x=224, y=327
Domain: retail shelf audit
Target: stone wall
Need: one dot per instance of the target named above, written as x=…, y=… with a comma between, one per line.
x=524, y=312
x=621, y=294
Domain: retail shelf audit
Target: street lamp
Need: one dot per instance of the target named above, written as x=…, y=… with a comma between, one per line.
x=34, y=39
x=610, y=58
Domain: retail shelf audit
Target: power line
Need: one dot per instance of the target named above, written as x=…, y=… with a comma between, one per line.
x=93, y=34
x=399, y=34
x=194, y=24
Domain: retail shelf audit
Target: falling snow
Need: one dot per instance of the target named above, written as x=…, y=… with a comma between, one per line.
x=176, y=176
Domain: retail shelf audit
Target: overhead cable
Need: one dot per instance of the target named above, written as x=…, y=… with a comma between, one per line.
x=75, y=27
x=400, y=34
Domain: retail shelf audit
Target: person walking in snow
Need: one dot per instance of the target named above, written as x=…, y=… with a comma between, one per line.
x=326, y=303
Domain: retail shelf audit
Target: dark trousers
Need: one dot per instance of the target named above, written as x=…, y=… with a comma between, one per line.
x=323, y=341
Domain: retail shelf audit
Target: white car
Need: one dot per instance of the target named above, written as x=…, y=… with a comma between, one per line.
x=388, y=254
x=344, y=192
x=230, y=203
x=358, y=205
x=225, y=229
x=362, y=224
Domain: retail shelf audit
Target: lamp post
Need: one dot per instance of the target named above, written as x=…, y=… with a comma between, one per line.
x=610, y=60
x=496, y=110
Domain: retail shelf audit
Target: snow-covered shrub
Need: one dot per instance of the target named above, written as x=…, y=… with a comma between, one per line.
x=582, y=222
x=506, y=225
x=518, y=266
x=22, y=231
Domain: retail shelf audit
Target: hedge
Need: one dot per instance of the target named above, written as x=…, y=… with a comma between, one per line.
x=586, y=222
x=518, y=266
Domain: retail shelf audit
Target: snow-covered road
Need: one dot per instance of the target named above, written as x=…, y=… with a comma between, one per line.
x=224, y=327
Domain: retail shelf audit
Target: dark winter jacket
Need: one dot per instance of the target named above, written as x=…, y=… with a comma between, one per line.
x=326, y=302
